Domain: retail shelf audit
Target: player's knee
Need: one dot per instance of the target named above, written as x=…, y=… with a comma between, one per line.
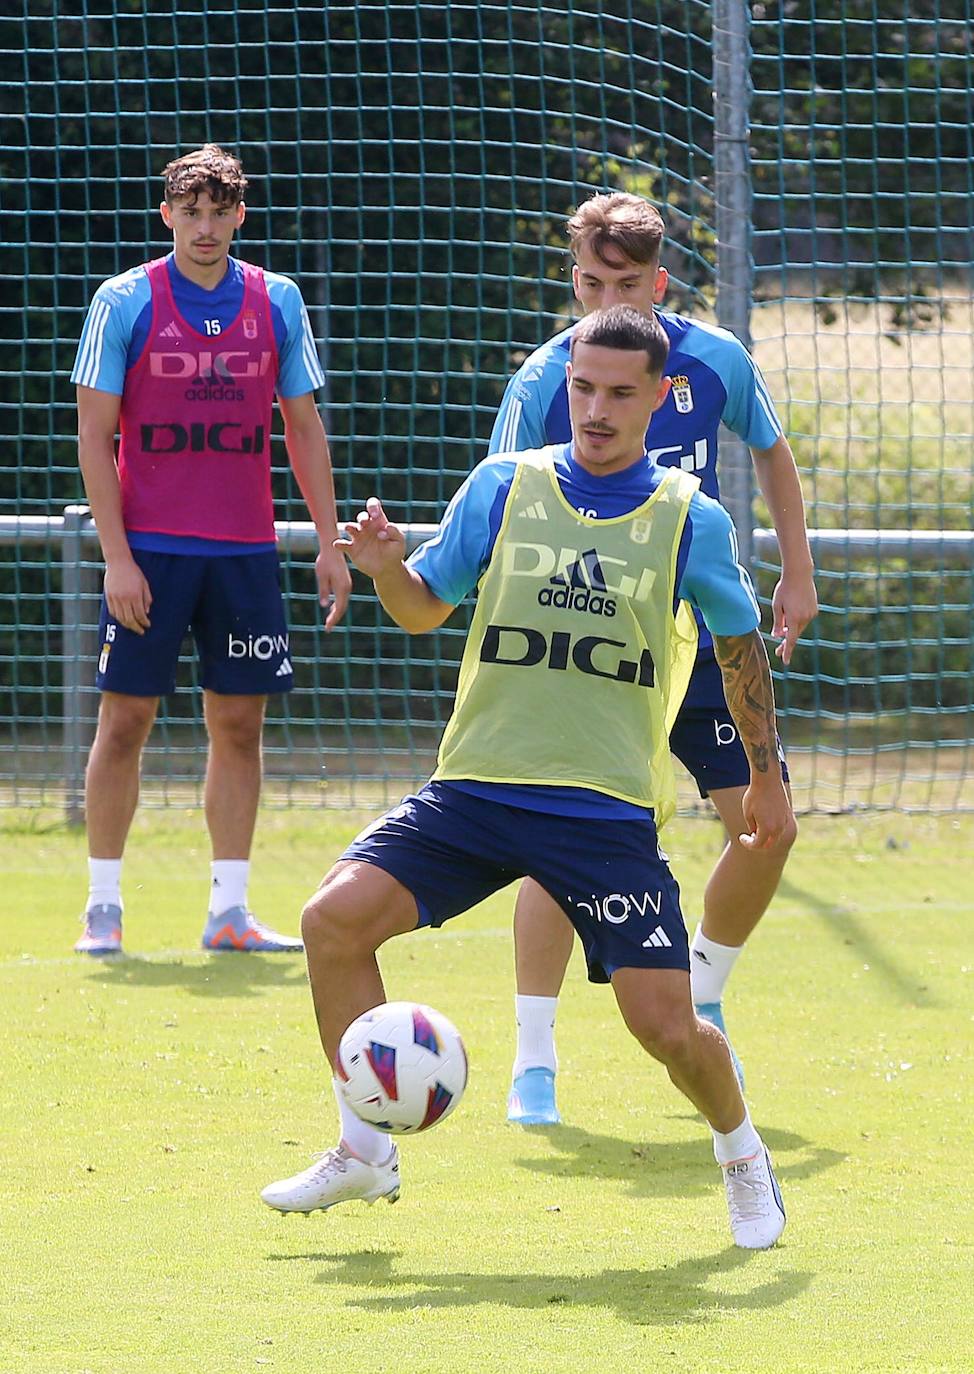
x=124, y=723
x=320, y=923
x=236, y=727
x=332, y=928
x=666, y=1036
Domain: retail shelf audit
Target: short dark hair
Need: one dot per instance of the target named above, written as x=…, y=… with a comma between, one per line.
x=617, y=225
x=209, y=169
x=622, y=327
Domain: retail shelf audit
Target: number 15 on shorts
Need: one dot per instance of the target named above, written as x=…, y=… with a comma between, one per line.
x=106, y=648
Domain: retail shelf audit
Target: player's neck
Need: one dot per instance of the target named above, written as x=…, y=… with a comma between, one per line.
x=607, y=469
x=207, y=275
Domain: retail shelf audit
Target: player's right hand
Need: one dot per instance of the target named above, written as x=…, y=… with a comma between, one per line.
x=127, y=595
x=372, y=542
x=768, y=814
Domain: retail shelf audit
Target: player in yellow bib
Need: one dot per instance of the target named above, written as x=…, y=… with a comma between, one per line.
x=555, y=763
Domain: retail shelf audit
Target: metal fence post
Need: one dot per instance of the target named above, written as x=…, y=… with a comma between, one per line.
x=79, y=586
x=732, y=193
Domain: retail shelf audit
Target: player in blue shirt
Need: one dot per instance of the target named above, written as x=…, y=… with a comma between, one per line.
x=615, y=242
x=184, y=356
x=524, y=783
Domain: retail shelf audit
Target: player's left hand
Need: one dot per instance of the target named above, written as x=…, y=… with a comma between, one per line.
x=334, y=583
x=795, y=603
x=768, y=814
x=373, y=543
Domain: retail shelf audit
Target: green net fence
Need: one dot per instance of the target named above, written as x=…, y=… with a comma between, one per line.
x=411, y=167
x=862, y=320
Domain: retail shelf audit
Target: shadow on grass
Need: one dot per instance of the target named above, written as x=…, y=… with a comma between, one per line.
x=668, y=1169
x=848, y=927
x=671, y=1295
x=219, y=975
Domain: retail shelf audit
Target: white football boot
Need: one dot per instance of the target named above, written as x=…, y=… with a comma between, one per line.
x=757, y=1214
x=336, y=1176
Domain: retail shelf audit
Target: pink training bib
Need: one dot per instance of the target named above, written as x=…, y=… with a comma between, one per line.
x=195, y=420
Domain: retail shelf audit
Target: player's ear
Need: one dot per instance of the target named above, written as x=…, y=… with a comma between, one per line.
x=662, y=391
x=166, y=214
x=662, y=282
x=576, y=276
x=241, y=213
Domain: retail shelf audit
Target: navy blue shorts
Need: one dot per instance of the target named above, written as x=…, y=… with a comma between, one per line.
x=704, y=737
x=451, y=850
x=234, y=609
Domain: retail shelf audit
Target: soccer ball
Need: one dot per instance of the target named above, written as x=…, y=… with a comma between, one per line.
x=402, y=1067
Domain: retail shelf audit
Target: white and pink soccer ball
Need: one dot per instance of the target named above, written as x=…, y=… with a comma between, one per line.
x=402, y=1067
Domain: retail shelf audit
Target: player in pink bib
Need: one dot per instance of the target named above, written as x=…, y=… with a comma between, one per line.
x=194, y=457
x=183, y=356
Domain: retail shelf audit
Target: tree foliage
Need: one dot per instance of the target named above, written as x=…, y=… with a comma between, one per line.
x=412, y=166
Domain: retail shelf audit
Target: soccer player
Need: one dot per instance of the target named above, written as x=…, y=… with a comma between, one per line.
x=184, y=355
x=615, y=242
x=555, y=762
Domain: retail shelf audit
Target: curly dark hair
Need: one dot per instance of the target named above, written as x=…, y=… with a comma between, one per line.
x=209, y=169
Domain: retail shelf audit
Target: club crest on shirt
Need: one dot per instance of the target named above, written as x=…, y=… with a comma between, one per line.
x=682, y=395
x=249, y=324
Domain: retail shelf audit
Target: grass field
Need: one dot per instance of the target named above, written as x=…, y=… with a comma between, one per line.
x=146, y=1101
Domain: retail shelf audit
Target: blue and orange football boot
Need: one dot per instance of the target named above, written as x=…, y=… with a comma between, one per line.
x=239, y=929
x=103, y=931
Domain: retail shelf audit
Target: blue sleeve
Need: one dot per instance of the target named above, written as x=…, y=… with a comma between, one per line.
x=300, y=367
x=712, y=579
x=520, y=419
x=749, y=411
x=452, y=562
x=535, y=391
x=748, y=408
x=107, y=334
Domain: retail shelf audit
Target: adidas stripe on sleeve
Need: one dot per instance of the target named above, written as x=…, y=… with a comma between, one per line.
x=519, y=423
x=300, y=366
x=103, y=348
x=749, y=410
x=522, y=420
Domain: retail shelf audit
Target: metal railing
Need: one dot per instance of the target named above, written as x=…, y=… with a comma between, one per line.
x=79, y=557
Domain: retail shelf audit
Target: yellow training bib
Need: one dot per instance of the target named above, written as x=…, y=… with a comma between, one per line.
x=576, y=665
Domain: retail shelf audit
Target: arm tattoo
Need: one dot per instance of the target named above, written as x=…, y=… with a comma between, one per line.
x=746, y=672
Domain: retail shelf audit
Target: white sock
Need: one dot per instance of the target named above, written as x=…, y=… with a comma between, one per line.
x=741, y=1143
x=228, y=884
x=535, y=1033
x=104, y=883
x=365, y=1142
x=710, y=967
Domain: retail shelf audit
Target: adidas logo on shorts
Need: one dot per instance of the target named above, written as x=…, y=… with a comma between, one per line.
x=658, y=940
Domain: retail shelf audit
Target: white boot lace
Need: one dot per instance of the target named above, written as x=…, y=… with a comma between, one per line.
x=333, y=1161
x=747, y=1195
